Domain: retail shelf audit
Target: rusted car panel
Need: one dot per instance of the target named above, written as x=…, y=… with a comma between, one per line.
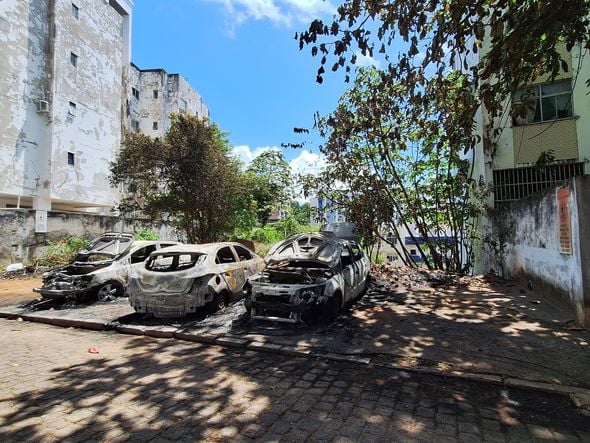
x=308, y=274
x=177, y=281
x=102, y=267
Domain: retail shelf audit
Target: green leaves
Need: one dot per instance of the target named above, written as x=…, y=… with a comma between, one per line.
x=189, y=179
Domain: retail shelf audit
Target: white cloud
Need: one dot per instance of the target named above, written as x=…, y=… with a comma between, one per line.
x=363, y=60
x=279, y=12
x=307, y=163
x=246, y=155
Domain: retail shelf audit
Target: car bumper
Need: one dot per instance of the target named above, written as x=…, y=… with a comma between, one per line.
x=169, y=305
x=55, y=294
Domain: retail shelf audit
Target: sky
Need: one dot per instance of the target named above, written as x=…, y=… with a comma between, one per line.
x=242, y=58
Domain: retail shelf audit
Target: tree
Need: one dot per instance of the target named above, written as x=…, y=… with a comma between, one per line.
x=398, y=165
x=189, y=178
x=438, y=36
x=301, y=212
x=273, y=183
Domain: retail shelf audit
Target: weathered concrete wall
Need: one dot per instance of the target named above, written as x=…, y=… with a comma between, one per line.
x=530, y=228
x=24, y=133
x=37, y=40
x=174, y=94
x=20, y=243
x=92, y=130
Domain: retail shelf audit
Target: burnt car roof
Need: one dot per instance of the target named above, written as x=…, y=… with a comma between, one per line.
x=203, y=248
x=324, y=247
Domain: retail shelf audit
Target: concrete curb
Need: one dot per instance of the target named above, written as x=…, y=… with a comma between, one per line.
x=291, y=351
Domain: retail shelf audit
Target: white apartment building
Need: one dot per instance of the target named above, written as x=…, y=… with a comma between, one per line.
x=558, y=124
x=153, y=94
x=61, y=74
x=68, y=90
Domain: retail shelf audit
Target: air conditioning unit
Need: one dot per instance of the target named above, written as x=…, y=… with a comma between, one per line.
x=42, y=106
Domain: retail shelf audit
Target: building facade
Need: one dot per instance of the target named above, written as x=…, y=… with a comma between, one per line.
x=153, y=95
x=61, y=75
x=68, y=91
x=545, y=145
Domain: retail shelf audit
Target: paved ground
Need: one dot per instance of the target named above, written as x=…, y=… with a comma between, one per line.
x=143, y=389
x=474, y=325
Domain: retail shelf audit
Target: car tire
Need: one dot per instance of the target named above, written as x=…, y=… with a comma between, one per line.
x=109, y=289
x=333, y=307
x=220, y=301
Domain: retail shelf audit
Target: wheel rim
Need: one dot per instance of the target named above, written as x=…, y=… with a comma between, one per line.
x=107, y=290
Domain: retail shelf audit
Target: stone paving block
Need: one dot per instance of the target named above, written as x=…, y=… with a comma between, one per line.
x=194, y=337
x=131, y=329
x=347, y=358
x=261, y=346
x=231, y=342
x=160, y=331
x=294, y=351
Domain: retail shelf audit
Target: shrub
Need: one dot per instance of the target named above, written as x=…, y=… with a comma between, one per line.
x=146, y=234
x=61, y=252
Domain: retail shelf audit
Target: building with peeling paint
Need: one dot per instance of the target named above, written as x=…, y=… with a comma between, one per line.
x=61, y=76
x=153, y=95
x=68, y=91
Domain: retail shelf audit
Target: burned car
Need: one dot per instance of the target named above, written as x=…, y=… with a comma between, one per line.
x=102, y=268
x=306, y=276
x=177, y=281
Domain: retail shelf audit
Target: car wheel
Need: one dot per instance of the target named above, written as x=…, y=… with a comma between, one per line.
x=110, y=289
x=220, y=301
x=333, y=307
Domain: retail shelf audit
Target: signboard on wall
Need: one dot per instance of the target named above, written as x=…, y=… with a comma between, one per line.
x=40, y=221
x=565, y=229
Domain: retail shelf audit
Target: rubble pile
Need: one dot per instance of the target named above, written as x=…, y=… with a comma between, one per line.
x=419, y=278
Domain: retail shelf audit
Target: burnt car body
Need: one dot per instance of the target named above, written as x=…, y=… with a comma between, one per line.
x=306, y=275
x=102, y=268
x=177, y=281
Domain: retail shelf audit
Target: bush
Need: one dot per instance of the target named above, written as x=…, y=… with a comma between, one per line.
x=146, y=234
x=61, y=252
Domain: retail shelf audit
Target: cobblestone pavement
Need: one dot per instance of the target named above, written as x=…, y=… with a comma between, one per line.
x=52, y=387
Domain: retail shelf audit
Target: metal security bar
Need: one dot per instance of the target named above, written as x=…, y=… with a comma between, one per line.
x=518, y=183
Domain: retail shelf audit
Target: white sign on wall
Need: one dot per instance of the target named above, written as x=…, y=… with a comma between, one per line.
x=40, y=221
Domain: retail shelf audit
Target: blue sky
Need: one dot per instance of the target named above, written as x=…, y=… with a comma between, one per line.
x=241, y=56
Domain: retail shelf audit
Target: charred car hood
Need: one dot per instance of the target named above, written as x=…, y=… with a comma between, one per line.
x=322, y=248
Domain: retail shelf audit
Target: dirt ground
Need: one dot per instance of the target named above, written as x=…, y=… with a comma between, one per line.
x=480, y=324
x=17, y=291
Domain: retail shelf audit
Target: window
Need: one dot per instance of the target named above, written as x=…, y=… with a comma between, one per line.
x=155, y=126
x=155, y=93
x=72, y=108
x=356, y=251
x=135, y=125
x=73, y=59
x=392, y=258
x=141, y=254
x=71, y=159
x=412, y=252
x=75, y=11
x=225, y=255
x=173, y=261
x=135, y=93
x=391, y=239
x=243, y=253
x=345, y=257
x=544, y=102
